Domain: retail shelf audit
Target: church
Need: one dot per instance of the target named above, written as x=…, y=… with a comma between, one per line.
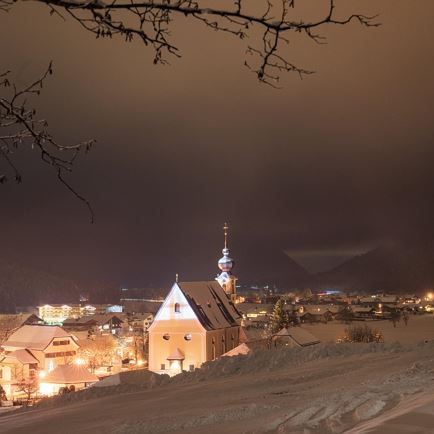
x=197, y=322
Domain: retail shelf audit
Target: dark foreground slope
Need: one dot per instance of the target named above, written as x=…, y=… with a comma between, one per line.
x=327, y=389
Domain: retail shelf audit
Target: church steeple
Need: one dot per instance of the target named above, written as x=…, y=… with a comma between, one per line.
x=226, y=279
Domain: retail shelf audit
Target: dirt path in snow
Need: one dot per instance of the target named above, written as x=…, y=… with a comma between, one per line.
x=325, y=396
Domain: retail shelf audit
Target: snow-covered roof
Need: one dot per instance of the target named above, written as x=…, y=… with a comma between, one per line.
x=300, y=335
x=361, y=309
x=241, y=349
x=315, y=309
x=70, y=374
x=12, y=321
x=36, y=337
x=210, y=304
x=23, y=356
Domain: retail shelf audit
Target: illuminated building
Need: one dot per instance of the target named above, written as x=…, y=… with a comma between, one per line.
x=34, y=348
x=197, y=322
x=58, y=313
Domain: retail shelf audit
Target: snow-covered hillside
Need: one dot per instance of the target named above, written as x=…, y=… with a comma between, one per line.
x=325, y=389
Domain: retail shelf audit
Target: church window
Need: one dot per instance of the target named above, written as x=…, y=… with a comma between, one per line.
x=166, y=336
x=187, y=337
x=177, y=308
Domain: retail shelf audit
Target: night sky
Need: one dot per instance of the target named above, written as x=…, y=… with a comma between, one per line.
x=324, y=168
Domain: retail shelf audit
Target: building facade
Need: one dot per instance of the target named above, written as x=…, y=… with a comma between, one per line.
x=197, y=322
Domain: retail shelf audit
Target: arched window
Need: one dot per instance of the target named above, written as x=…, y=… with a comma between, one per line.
x=177, y=308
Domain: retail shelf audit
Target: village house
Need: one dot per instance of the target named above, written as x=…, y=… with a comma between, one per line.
x=70, y=377
x=139, y=323
x=197, y=322
x=107, y=323
x=315, y=313
x=35, y=348
x=294, y=337
x=255, y=314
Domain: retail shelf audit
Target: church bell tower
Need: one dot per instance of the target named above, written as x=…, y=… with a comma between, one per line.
x=226, y=279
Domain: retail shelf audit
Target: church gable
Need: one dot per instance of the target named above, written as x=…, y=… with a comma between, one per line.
x=175, y=308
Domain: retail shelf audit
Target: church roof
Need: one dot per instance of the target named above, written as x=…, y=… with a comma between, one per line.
x=210, y=303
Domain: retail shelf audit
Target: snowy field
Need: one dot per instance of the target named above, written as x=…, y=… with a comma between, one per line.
x=329, y=388
x=419, y=328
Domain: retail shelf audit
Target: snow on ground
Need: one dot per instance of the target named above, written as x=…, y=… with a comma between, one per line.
x=420, y=327
x=329, y=388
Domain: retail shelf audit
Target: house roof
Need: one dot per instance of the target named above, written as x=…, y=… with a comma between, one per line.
x=300, y=335
x=241, y=349
x=23, y=356
x=12, y=321
x=361, y=309
x=84, y=320
x=70, y=374
x=210, y=303
x=35, y=337
x=255, y=307
x=97, y=319
x=315, y=309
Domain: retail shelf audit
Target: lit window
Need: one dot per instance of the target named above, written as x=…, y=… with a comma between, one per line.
x=177, y=308
x=166, y=336
x=187, y=337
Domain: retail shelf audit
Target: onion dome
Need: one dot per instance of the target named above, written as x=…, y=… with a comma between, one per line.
x=226, y=263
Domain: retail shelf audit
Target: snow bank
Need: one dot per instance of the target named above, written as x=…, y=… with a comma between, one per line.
x=280, y=358
x=254, y=362
x=124, y=382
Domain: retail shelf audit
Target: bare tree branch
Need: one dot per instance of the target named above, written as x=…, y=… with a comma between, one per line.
x=19, y=127
x=270, y=23
x=150, y=21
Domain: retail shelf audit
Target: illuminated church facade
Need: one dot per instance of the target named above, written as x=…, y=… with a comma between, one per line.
x=197, y=322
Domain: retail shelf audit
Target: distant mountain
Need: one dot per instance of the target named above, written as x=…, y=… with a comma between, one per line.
x=25, y=286
x=399, y=267
x=271, y=267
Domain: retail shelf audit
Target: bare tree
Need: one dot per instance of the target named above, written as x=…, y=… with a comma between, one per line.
x=266, y=24
x=19, y=126
x=99, y=351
